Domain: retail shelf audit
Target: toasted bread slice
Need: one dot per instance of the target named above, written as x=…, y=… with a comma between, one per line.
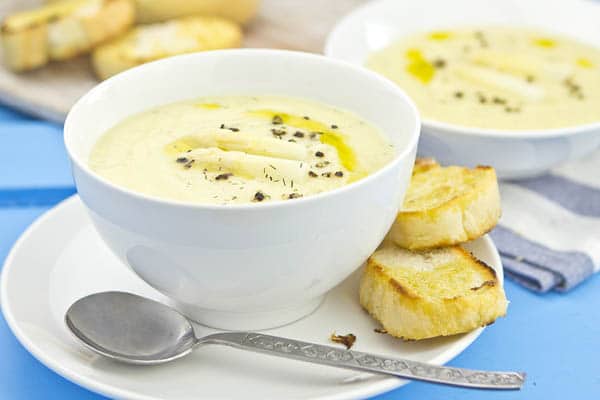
x=446, y=206
x=429, y=293
x=62, y=30
x=152, y=42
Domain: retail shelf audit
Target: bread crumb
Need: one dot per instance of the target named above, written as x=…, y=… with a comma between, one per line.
x=347, y=340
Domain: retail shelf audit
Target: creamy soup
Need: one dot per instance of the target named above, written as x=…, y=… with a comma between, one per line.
x=239, y=149
x=498, y=78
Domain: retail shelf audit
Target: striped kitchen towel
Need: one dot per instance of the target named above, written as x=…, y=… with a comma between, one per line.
x=549, y=233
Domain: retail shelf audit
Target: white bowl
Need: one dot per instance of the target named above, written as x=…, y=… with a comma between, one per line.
x=246, y=266
x=514, y=154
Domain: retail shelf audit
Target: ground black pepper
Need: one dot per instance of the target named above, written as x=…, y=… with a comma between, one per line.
x=258, y=196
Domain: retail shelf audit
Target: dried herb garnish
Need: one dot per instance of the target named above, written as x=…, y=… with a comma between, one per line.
x=347, y=340
x=380, y=330
x=319, y=154
x=312, y=174
x=306, y=117
x=498, y=100
x=334, y=126
x=231, y=129
x=278, y=132
x=294, y=196
x=291, y=141
x=339, y=174
x=299, y=134
x=530, y=78
x=439, y=63
x=459, y=94
x=326, y=174
x=189, y=164
x=322, y=164
x=313, y=135
x=481, y=39
x=573, y=88
x=277, y=120
x=182, y=160
x=259, y=196
x=223, y=177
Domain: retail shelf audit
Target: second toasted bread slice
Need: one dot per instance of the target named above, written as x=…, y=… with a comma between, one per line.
x=444, y=206
x=152, y=42
x=439, y=292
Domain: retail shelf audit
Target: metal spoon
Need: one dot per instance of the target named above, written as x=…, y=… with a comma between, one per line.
x=136, y=330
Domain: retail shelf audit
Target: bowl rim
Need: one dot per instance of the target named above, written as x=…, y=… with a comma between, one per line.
x=410, y=146
x=457, y=129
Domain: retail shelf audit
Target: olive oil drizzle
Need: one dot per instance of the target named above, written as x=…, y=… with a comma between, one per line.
x=210, y=106
x=418, y=66
x=326, y=134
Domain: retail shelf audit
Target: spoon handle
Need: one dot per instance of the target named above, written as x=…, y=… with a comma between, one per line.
x=356, y=360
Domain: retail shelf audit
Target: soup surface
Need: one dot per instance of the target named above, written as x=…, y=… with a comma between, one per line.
x=239, y=149
x=496, y=77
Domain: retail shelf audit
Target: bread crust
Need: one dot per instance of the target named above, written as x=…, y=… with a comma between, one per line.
x=411, y=314
x=467, y=214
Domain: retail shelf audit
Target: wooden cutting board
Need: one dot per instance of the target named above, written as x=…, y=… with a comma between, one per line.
x=284, y=24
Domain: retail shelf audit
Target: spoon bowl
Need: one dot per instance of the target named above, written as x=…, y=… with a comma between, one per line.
x=130, y=328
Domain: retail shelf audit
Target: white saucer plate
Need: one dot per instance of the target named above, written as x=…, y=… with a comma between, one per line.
x=61, y=258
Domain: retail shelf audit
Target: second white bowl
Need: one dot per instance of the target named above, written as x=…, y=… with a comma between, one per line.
x=514, y=154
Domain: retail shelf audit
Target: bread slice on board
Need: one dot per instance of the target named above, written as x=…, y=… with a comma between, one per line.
x=150, y=11
x=445, y=206
x=62, y=30
x=423, y=294
x=151, y=42
x=240, y=11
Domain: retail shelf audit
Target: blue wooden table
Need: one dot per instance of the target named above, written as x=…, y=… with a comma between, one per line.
x=555, y=338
